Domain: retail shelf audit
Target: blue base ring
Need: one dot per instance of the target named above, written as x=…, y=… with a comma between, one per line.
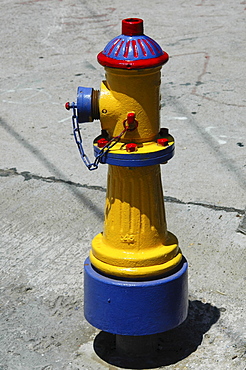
x=135, y=307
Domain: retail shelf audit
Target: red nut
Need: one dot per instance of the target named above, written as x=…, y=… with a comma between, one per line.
x=162, y=142
x=102, y=142
x=130, y=123
x=131, y=147
x=131, y=118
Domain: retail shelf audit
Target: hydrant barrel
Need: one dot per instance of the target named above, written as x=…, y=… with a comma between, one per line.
x=135, y=242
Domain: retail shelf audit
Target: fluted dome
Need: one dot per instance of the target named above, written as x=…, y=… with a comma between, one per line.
x=132, y=49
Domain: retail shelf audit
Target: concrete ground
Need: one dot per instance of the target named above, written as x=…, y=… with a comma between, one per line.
x=52, y=206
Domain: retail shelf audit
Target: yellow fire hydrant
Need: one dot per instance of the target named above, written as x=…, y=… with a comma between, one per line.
x=135, y=276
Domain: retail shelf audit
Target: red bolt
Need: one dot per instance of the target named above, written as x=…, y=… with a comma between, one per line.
x=131, y=147
x=67, y=105
x=162, y=142
x=130, y=123
x=131, y=118
x=102, y=142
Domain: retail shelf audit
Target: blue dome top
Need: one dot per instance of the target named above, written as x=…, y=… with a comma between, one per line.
x=132, y=49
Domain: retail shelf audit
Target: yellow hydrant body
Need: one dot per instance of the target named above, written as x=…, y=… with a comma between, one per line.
x=135, y=242
x=135, y=261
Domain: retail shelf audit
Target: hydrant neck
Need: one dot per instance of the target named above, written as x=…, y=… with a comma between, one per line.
x=135, y=91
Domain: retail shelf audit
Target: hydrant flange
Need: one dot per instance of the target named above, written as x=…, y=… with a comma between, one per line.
x=147, y=154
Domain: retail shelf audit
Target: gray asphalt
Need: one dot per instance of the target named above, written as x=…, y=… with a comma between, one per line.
x=52, y=206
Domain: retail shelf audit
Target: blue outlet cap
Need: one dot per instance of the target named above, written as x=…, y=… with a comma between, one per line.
x=84, y=104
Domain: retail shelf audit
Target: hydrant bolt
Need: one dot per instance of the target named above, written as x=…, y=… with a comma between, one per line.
x=131, y=118
x=102, y=142
x=162, y=142
x=131, y=147
x=130, y=123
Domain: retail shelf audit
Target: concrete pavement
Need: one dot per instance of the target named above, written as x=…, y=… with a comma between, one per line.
x=52, y=206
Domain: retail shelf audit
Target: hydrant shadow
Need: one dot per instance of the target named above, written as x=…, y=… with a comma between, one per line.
x=168, y=348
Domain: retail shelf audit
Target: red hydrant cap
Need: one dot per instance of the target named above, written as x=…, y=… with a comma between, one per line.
x=132, y=49
x=132, y=27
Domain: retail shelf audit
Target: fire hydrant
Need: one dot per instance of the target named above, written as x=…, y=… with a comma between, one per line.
x=136, y=276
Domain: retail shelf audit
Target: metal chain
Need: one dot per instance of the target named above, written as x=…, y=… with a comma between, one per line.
x=78, y=139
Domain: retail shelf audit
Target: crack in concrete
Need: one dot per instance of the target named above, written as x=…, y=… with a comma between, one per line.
x=205, y=205
x=29, y=176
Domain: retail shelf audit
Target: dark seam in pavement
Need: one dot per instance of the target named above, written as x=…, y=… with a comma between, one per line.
x=211, y=206
x=28, y=176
